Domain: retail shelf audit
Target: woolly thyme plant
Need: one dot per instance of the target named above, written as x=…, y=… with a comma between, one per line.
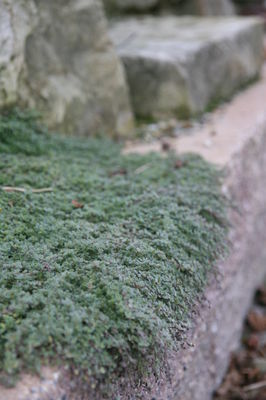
x=100, y=272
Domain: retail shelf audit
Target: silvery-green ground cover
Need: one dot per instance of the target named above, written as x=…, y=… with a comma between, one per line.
x=101, y=272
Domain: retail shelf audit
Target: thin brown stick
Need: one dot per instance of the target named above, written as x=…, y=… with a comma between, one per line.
x=44, y=190
x=11, y=189
x=142, y=168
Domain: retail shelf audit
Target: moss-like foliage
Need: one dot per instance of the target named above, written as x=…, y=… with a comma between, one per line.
x=102, y=271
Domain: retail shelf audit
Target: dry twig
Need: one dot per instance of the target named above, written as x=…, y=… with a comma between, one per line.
x=11, y=189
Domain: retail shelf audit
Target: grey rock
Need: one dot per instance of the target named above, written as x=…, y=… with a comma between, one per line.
x=181, y=65
x=13, y=33
x=57, y=58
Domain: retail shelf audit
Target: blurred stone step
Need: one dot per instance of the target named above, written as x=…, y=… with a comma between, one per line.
x=181, y=66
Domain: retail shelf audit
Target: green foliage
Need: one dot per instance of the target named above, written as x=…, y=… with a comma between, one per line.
x=183, y=112
x=107, y=281
x=21, y=133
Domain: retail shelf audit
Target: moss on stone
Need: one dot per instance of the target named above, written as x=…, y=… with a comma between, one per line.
x=102, y=272
x=183, y=112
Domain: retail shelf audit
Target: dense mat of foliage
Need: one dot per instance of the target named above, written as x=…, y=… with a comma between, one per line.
x=102, y=271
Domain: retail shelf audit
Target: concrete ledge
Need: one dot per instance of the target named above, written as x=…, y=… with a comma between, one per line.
x=239, y=144
x=182, y=65
x=193, y=372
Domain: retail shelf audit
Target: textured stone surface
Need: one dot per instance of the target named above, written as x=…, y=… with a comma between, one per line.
x=180, y=65
x=57, y=57
x=13, y=33
x=197, y=369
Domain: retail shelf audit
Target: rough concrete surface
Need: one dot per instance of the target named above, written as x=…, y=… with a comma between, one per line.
x=56, y=56
x=181, y=65
x=239, y=144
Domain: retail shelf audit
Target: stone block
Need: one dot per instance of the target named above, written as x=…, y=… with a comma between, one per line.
x=57, y=58
x=180, y=66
